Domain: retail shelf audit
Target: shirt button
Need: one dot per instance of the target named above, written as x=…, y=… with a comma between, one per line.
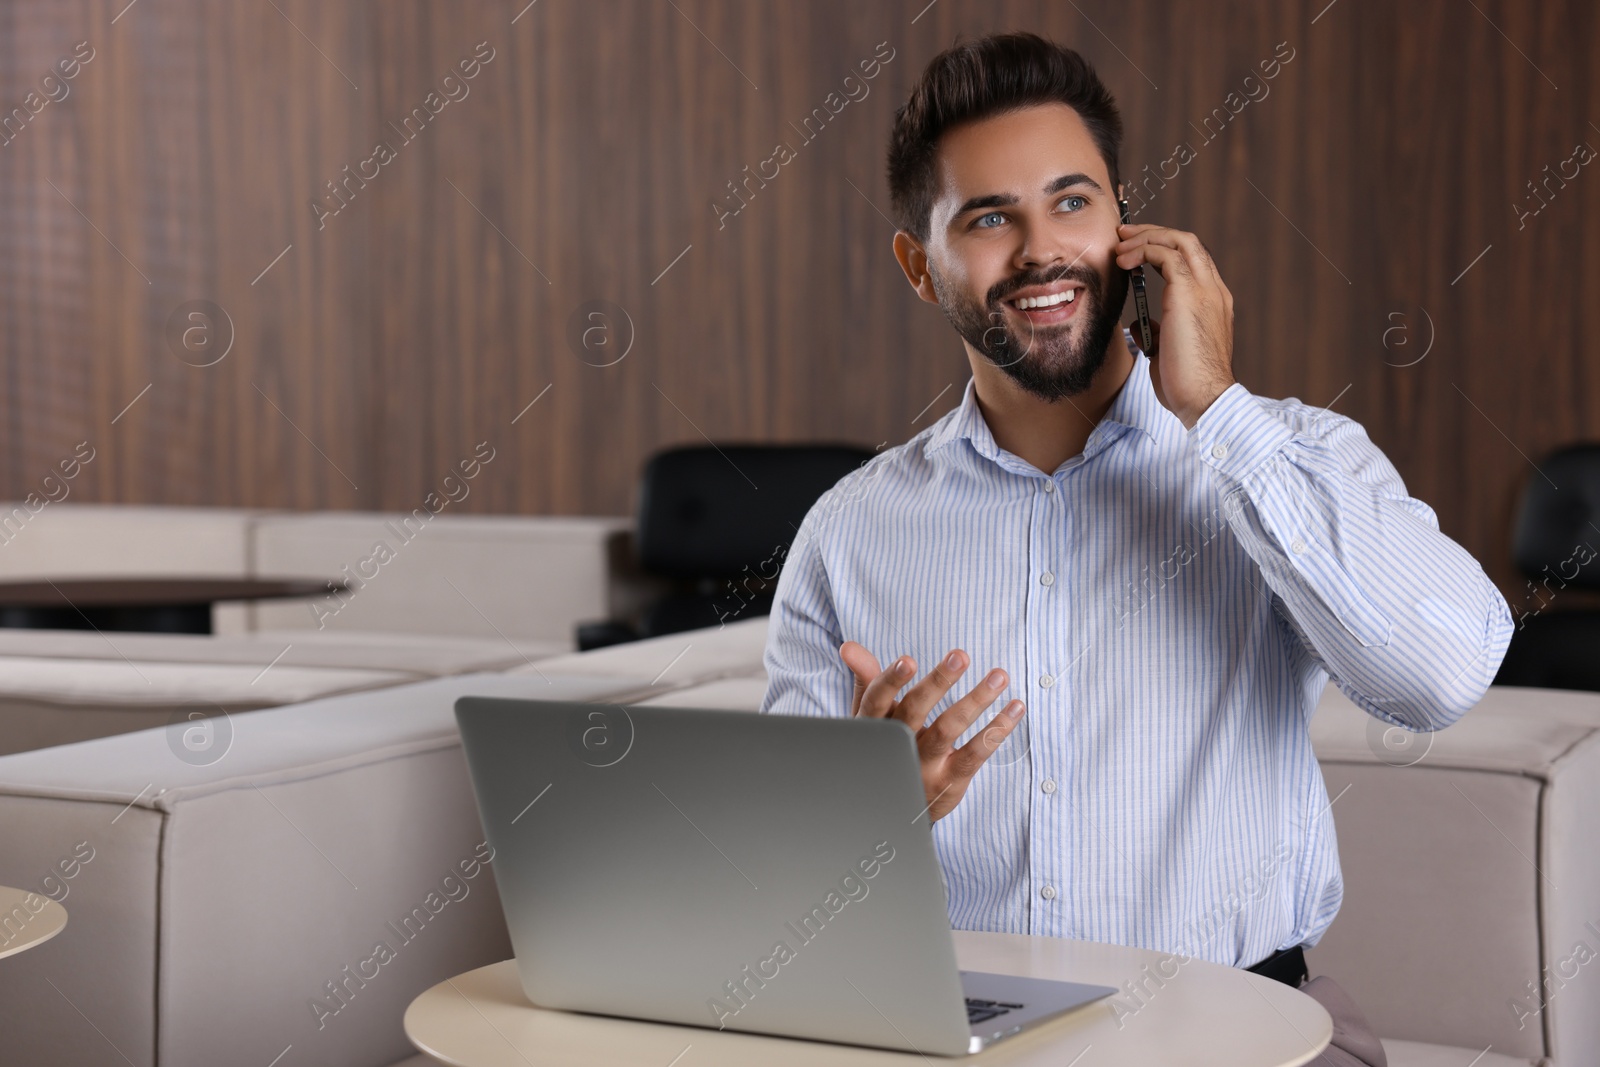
x=1048, y=785
x=1048, y=892
x=1047, y=578
x=1297, y=545
x=1046, y=680
x=1049, y=486
x=1219, y=451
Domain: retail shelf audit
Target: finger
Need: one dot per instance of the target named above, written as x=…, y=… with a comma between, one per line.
x=1208, y=259
x=1194, y=252
x=1199, y=257
x=966, y=760
x=1128, y=236
x=944, y=802
x=1173, y=265
x=916, y=704
x=940, y=736
x=878, y=699
x=863, y=665
x=1164, y=238
x=1155, y=383
x=1161, y=235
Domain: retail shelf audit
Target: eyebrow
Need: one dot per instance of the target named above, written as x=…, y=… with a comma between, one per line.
x=1068, y=180
x=1065, y=181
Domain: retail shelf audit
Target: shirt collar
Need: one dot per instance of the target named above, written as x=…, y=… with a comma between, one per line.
x=1135, y=408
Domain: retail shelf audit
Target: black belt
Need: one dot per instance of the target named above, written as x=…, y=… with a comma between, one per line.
x=1286, y=965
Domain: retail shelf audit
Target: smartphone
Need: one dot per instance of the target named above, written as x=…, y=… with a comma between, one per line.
x=1141, y=300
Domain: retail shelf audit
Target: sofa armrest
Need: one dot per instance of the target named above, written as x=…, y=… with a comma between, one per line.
x=1472, y=887
x=672, y=660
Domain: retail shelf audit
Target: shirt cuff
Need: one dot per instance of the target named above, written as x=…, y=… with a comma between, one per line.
x=1237, y=434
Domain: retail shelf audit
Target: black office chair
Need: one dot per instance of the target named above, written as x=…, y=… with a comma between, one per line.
x=716, y=522
x=1557, y=646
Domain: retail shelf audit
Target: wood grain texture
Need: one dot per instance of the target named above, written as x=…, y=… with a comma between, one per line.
x=584, y=163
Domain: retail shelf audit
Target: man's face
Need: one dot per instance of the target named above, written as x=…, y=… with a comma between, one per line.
x=1026, y=215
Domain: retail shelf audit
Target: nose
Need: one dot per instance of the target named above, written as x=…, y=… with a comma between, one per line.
x=1041, y=248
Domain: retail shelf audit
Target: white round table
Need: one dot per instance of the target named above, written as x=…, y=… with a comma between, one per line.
x=1203, y=1015
x=27, y=919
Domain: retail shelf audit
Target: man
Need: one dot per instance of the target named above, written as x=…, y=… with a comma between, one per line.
x=1161, y=567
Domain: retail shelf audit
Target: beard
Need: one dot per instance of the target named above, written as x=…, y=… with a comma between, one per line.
x=1047, y=363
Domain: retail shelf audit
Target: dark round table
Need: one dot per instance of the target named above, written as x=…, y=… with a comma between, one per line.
x=150, y=604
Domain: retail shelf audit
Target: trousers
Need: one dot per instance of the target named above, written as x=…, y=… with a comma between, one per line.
x=1353, y=1043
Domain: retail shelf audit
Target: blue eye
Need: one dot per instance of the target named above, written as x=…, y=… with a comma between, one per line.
x=1079, y=199
x=990, y=215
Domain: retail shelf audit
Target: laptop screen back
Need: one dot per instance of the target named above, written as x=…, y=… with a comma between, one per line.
x=771, y=874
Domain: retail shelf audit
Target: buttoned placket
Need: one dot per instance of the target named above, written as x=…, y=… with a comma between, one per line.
x=1049, y=697
x=1046, y=714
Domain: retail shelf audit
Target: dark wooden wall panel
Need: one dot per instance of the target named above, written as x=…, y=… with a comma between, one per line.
x=189, y=143
x=429, y=312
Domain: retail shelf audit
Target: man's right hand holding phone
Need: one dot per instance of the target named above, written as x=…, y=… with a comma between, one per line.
x=946, y=770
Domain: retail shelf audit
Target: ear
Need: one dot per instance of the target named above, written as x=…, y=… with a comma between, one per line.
x=914, y=261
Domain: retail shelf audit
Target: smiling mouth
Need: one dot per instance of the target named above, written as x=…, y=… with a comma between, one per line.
x=1047, y=308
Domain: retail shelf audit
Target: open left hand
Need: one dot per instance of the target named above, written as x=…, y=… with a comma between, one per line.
x=1193, y=361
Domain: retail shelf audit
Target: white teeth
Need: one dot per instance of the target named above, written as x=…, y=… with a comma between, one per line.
x=1029, y=302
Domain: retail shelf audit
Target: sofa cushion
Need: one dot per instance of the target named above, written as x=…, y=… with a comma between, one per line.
x=55, y=701
x=419, y=655
x=431, y=654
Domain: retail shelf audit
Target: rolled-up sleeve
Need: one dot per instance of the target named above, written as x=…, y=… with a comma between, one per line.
x=1401, y=617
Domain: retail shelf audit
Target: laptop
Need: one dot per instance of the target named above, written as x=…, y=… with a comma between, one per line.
x=763, y=873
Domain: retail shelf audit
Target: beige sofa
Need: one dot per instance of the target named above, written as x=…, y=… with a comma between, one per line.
x=1472, y=884
x=58, y=686
x=427, y=598
x=222, y=900
x=496, y=577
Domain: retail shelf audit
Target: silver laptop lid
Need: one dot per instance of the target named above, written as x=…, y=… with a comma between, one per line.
x=717, y=868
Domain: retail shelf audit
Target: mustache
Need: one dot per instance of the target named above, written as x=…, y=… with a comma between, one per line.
x=1086, y=275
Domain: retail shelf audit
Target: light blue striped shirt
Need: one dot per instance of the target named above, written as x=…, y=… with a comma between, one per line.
x=1170, y=604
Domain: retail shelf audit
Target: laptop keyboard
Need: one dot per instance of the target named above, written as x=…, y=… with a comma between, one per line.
x=981, y=1011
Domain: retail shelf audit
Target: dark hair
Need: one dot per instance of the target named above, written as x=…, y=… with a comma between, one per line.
x=980, y=79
